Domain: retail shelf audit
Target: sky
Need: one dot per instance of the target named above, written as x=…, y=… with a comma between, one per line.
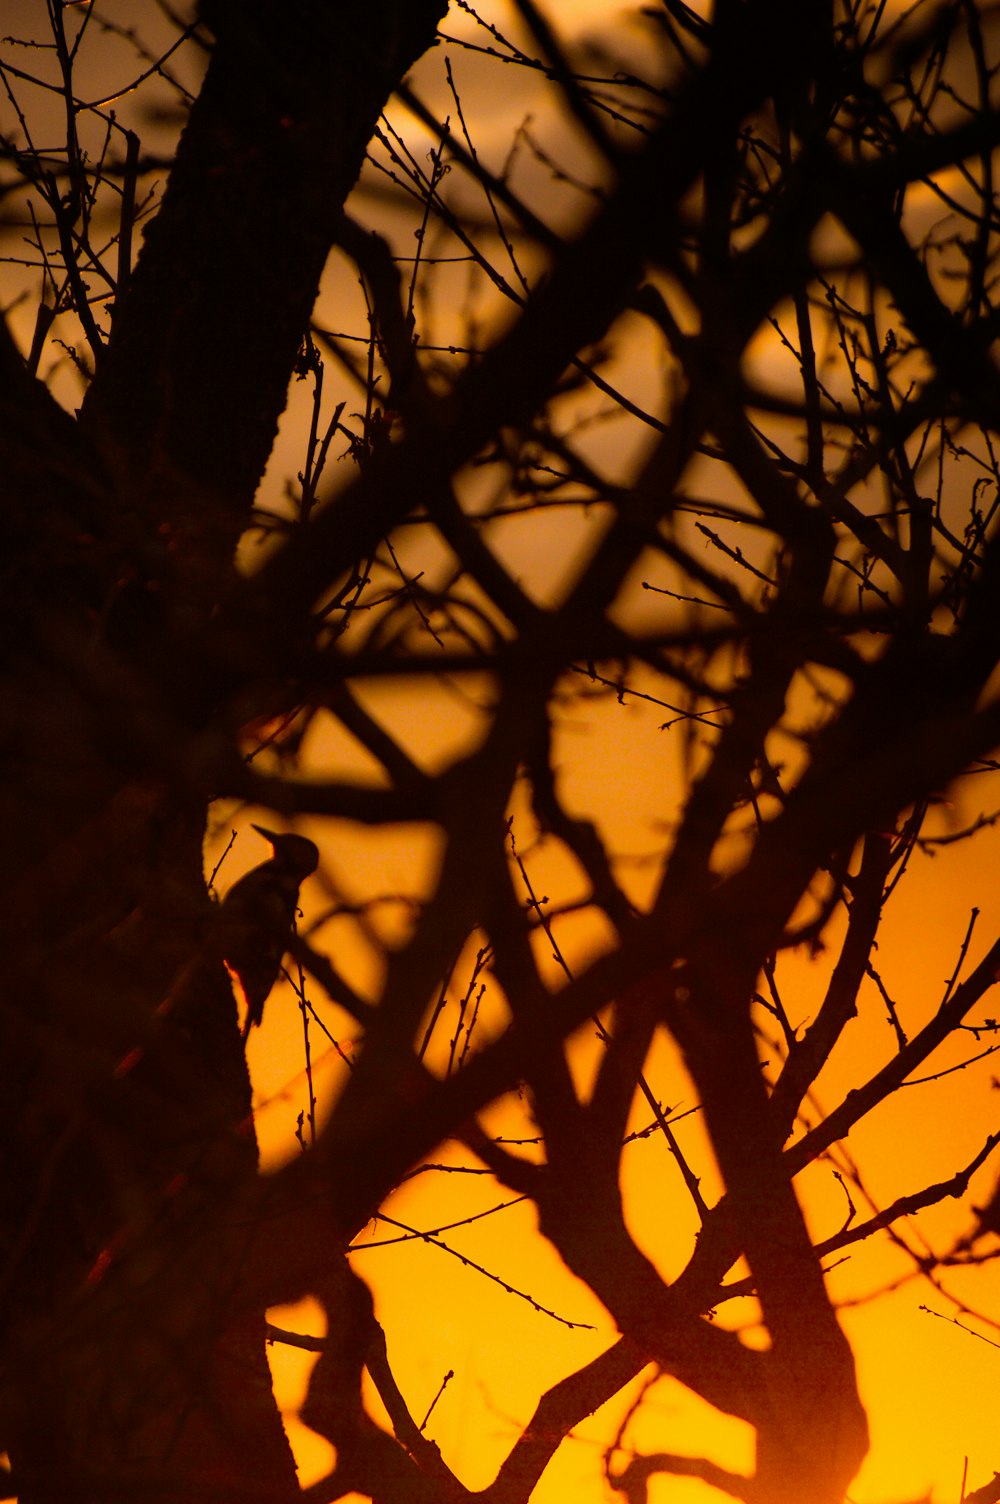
x=929, y=1383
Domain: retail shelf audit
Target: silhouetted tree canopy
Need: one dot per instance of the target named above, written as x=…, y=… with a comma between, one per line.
x=690, y=405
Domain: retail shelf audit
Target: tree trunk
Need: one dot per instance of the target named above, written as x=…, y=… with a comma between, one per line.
x=136, y=1362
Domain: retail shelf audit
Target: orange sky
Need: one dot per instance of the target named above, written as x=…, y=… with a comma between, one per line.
x=929, y=1386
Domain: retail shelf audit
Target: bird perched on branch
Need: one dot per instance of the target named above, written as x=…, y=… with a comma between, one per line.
x=258, y=916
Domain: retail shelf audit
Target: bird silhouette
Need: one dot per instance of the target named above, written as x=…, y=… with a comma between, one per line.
x=258, y=915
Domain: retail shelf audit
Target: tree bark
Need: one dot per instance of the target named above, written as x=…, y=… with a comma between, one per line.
x=136, y=1364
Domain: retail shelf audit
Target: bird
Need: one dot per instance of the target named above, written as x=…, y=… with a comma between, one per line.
x=257, y=917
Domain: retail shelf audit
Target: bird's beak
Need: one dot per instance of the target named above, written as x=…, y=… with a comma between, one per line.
x=269, y=835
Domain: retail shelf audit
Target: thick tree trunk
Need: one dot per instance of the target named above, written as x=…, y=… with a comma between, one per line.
x=135, y=1362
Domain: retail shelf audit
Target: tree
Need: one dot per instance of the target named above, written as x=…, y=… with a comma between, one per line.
x=818, y=553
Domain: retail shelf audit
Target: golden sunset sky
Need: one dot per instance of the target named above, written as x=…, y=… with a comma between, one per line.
x=930, y=1384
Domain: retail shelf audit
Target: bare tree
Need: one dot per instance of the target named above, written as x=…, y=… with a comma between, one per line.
x=793, y=565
